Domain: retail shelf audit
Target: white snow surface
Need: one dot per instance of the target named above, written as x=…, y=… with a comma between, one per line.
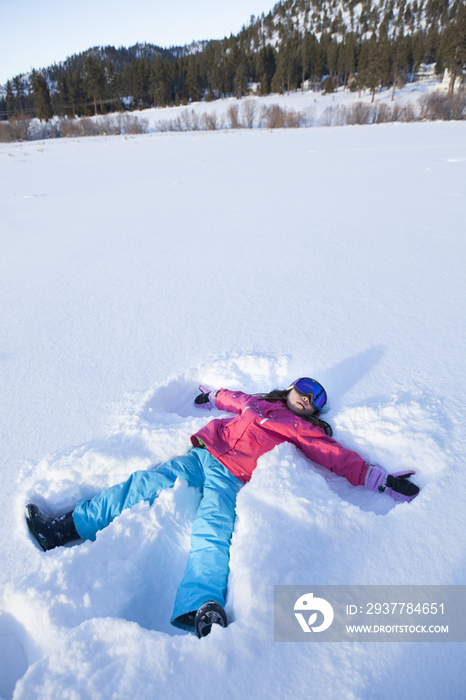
x=131, y=270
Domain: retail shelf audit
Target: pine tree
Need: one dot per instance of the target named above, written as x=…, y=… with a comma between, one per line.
x=140, y=81
x=265, y=68
x=418, y=49
x=160, y=82
x=77, y=93
x=265, y=85
x=431, y=45
x=384, y=59
x=347, y=57
x=240, y=80
x=332, y=57
x=289, y=63
x=111, y=80
x=41, y=92
x=305, y=59
x=94, y=79
x=370, y=69
x=317, y=61
x=10, y=99
x=329, y=86
x=62, y=97
x=192, y=82
x=20, y=94
x=455, y=54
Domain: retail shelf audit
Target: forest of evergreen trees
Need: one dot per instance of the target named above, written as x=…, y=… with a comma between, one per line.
x=359, y=45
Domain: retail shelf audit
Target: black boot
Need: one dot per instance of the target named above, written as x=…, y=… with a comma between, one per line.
x=210, y=613
x=50, y=532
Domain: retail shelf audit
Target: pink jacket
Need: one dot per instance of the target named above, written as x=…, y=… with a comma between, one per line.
x=238, y=442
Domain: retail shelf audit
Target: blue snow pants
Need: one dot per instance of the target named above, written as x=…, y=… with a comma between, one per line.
x=206, y=574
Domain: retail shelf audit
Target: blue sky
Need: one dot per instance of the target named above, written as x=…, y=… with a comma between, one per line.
x=35, y=35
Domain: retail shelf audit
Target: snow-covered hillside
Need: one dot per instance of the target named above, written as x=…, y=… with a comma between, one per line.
x=133, y=268
x=315, y=107
x=390, y=17
x=425, y=100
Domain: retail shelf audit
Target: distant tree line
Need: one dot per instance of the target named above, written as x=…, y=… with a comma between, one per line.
x=299, y=40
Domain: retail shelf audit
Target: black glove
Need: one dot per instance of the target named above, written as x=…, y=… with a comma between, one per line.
x=402, y=485
x=203, y=399
x=397, y=485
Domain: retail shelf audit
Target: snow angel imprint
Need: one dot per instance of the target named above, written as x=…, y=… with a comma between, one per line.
x=223, y=457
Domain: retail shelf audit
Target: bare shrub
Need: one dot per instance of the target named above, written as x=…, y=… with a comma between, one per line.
x=327, y=116
x=70, y=128
x=308, y=116
x=359, y=113
x=372, y=114
x=276, y=117
x=444, y=107
x=132, y=125
x=190, y=120
x=248, y=112
x=171, y=124
x=164, y=125
x=261, y=116
x=176, y=124
x=273, y=117
x=436, y=107
x=89, y=127
x=78, y=127
x=19, y=127
x=457, y=104
x=232, y=114
x=293, y=119
x=5, y=132
x=210, y=121
x=39, y=130
x=110, y=125
x=340, y=116
x=396, y=113
x=407, y=113
x=423, y=104
x=383, y=113
x=439, y=107
x=53, y=131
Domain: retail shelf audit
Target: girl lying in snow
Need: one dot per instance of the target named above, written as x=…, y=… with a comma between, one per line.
x=224, y=455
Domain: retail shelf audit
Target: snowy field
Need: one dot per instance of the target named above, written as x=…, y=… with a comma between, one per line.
x=133, y=268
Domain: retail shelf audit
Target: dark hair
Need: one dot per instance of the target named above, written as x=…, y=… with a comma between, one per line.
x=282, y=395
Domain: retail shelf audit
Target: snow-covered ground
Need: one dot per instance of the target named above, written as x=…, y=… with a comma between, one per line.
x=133, y=268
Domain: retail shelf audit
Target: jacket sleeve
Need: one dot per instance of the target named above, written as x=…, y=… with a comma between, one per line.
x=231, y=401
x=327, y=452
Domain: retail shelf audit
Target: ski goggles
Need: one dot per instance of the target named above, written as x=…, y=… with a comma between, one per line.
x=305, y=385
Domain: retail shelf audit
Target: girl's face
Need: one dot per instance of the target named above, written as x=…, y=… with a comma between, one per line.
x=299, y=403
